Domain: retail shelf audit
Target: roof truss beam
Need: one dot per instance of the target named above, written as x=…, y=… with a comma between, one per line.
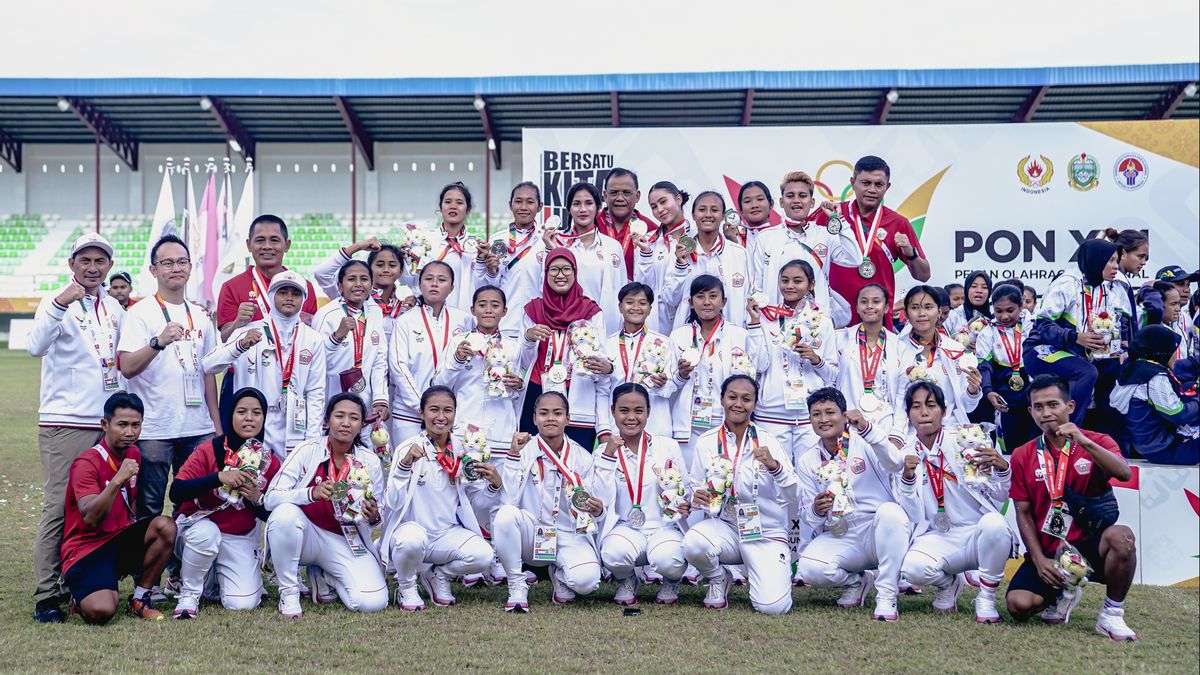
x=121, y=143
x=489, y=129
x=747, y=107
x=1169, y=102
x=884, y=107
x=614, y=103
x=10, y=150
x=1029, y=108
x=232, y=126
x=359, y=135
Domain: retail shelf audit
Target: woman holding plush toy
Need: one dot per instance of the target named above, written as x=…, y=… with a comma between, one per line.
x=644, y=479
x=323, y=509
x=219, y=492
x=433, y=490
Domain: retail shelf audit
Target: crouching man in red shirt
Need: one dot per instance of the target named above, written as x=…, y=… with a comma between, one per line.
x=103, y=541
x=1060, y=484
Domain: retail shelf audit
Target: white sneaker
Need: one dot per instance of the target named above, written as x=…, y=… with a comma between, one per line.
x=1111, y=623
x=409, y=599
x=518, y=596
x=173, y=587
x=985, y=609
x=472, y=580
x=885, y=609
x=156, y=594
x=691, y=576
x=1060, y=611
x=972, y=578
x=627, y=589
x=668, y=593
x=738, y=572
x=562, y=593
x=186, y=607
x=531, y=578
x=323, y=592
x=717, y=596
x=855, y=594
x=653, y=577
x=946, y=599
x=289, y=604
x=495, y=574
x=437, y=585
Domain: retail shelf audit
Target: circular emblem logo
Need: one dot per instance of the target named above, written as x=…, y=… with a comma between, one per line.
x=1083, y=173
x=1131, y=171
x=1035, y=174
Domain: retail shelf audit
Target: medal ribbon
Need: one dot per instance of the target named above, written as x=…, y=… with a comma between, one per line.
x=446, y=458
x=709, y=342
x=359, y=333
x=625, y=356
x=573, y=479
x=452, y=244
x=723, y=448
x=167, y=315
x=1092, y=297
x=257, y=284
x=1013, y=352
x=869, y=360
x=937, y=476
x=289, y=365
x=392, y=308
x=850, y=210
x=775, y=312
x=433, y=345
x=1055, y=472
x=666, y=232
x=641, y=466
x=102, y=448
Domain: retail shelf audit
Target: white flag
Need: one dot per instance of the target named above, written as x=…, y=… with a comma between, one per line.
x=192, y=233
x=163, y=224
x=235, y=257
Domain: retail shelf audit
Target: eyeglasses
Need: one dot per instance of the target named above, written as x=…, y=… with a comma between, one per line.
x=172, y=264
x=619, y=193
x=560, y=271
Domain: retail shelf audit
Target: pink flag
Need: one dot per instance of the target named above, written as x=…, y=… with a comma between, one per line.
x=211, y=233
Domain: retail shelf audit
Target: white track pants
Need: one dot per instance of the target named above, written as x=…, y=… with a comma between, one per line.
x=512, y=535
x=935, y=557
x=713, y=543
x=231, y=560
x=458, y=550
x=294, y=541
x=879, y=542
x=626, y=548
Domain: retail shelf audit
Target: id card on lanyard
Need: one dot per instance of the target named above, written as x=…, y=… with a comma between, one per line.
x=749, y=518
x=1057, y=522
x=102, y=337
x=193, y=379
x=703, y=401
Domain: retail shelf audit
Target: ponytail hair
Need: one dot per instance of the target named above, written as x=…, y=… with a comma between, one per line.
x=670, y=187
x=1126, y=240
x=457, y=185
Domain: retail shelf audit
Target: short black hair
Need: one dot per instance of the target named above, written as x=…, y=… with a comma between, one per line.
x=922, y=385
x=385, y=248
x=619, y=171
x=943, y=297
x=347, y=396
x=123, y=399
x=630, y=388
x=1008, y=291
x=708, y=193
x=1048, y=381
x=345, y=268
x=121, y=275
x=268, y=218
x=561, y=396
x=827, y=394
x=167, y=239
x=739, y=377
x=635, y=287
x=872, y=163
x=755, y=184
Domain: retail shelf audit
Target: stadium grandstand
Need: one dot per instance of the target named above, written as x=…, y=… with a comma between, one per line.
x=360, y=157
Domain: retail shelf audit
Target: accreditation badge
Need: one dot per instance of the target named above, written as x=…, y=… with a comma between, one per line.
x=193, y=389
x=749, y=522
x=545, y=543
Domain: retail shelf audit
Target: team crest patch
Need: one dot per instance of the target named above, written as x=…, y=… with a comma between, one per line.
x=1083, y=173
x=881, y=234
x=821, y=250
x=1083, y=467
x=418, y=335
x=616, y=260
x=858, y=465
x=738, y=281
x=305, y=357
x=541, y=256
x=375, y=337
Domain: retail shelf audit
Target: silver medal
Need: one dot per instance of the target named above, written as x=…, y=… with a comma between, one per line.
x=729, y=510
x=941, y=521
x=637, y=517
x=835, y=225
x=500, y=250
x=866, y=269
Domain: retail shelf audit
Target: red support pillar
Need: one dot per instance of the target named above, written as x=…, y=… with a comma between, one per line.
x=97, y=183
x=353, y=194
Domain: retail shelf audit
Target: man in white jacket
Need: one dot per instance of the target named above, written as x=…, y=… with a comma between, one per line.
x=75, y=333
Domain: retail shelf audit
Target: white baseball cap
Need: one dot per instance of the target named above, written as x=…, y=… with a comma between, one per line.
x=288, y=278
x=91, y=240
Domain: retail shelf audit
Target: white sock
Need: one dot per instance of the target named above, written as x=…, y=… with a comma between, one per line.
x=139, y=592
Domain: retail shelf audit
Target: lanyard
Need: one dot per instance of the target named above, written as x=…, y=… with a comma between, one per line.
x=710, y=341
x=433, y=345
x=446, y=458
x=869, y=360
x=937, y=476
x=777, y=313
x=723, y=448
x=102, y=448
x=1092, y=297
x=666, y=232
x=928, y=351
x=641, y=468
x=391, y=309
x=843, y=448
x=513, y=245
x=1056, y=476
x=257, y=294
x=167, y=315
x=97, y=329
x=290, y=363
x=360, y=332
x=625, y=363
x=452, y=244
x=558, y=348
x=333, y=473
x=1013, y=351
x=853, y=215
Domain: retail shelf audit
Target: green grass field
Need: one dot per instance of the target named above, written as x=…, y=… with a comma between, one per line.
x=593, y=635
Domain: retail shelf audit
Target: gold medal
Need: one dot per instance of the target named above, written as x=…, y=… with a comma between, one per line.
x=1016, y=382
x=579, y=499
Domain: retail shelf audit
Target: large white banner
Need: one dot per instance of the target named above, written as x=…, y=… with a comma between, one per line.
x=1012, y=199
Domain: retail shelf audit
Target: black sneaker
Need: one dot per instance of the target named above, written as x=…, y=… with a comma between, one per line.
x=48, y=611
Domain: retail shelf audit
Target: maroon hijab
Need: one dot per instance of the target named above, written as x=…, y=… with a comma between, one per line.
x=559, y=310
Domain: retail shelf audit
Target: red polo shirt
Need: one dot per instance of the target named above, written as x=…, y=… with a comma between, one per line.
x=90, y=473
x=846, y=280
x=237, y=290
x=203, y=462
x=638, y=225
x=1084, y=476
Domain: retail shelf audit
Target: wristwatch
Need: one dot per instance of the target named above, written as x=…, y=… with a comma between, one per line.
x=911, y=258
x=154, y=344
